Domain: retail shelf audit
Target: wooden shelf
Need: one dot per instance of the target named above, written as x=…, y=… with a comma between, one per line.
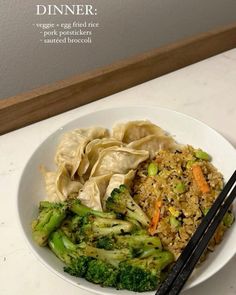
x=47, y=101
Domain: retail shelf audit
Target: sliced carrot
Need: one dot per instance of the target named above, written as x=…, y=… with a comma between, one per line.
x=200, y=179
x=155, y=218
x=158, y=204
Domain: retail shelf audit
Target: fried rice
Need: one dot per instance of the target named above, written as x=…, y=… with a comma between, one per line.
x=183, y=205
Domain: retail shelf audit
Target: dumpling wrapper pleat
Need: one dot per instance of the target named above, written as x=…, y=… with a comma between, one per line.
x=94, y=148
x=70, y=150
x=135, y=130
x=118, y=160
x=153, y=144
x=59, y=185
x=93, y=191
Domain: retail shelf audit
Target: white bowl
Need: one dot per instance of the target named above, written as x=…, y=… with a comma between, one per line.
x=184, y=129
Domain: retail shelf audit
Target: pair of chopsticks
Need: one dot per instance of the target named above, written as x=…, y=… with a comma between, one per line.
x=199, y=241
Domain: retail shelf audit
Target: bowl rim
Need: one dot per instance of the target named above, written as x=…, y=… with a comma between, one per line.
x=58, y=130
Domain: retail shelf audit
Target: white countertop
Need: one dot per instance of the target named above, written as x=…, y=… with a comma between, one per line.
x=205, y=90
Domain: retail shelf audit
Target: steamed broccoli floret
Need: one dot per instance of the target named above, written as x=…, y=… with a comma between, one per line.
x=114, y=257
x=94, y=223
x=88, y=224
x=66, y=250
x=107, y=242
x=143, y=274
x=78, y=267
x=121, y=202
x=103, y=273
x=99, y=246
x=69, y=253
x=49, y=219
x=94, y=227
x=140, y=241
x=140, y=244
x=70, y=226
x=134, y=278
x=114, y=268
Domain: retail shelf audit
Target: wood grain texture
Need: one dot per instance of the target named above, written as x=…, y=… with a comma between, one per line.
x=47, y=101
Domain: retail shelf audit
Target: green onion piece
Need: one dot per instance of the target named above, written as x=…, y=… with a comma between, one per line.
x=202, y=155
x=228, y=219
x=152, y=169
x=174, y=222
x=180, y=188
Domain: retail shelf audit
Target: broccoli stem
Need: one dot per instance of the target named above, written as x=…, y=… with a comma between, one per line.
x=147, y=252
x=133, y=209
x=62, y=247
x=82, y=210
x=69, y=253
x=47, y=204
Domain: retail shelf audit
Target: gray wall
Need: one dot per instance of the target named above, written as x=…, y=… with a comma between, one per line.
x=128, y=27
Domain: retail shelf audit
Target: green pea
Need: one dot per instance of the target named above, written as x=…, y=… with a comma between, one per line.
x=205, y=211
x=180, y=188
x=190, y=164
x=228, y=219
x=152, y=169
x=174, y=222
x=202, y=155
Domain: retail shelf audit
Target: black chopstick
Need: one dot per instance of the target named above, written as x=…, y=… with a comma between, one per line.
x=184, y=260
x=188, y=268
